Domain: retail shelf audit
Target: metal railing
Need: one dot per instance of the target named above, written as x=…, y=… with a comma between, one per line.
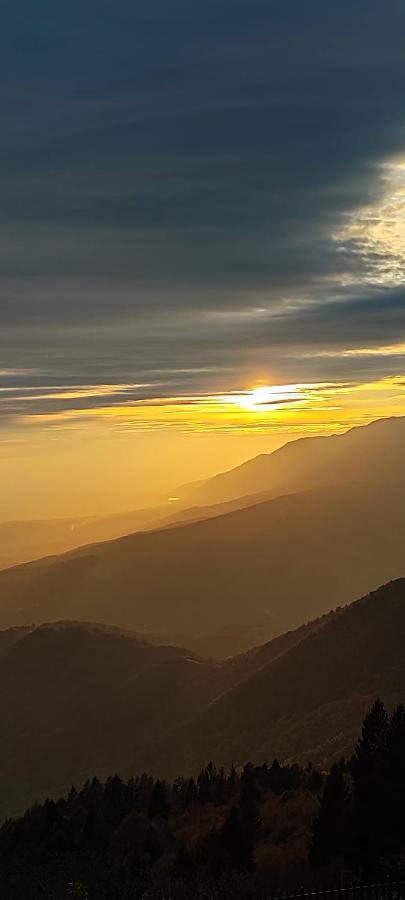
x=379, y=890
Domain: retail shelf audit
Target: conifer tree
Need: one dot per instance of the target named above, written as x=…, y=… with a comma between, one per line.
x=159, y=802
x=331, y=828
x=369, y=758
x=369, y=771
x=395, y=780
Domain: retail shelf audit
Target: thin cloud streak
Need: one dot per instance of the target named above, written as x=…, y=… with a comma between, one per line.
x=264, y=409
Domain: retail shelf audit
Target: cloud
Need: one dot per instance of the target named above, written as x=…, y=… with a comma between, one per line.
x=176, y=185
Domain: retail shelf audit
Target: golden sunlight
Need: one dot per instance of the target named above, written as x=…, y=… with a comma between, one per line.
x=311, y=408
x=271, y=396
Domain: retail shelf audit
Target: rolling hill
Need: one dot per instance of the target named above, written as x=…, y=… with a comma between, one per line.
x=269, y=566
x=27, y=540
x=81, y=699
x=23, y=541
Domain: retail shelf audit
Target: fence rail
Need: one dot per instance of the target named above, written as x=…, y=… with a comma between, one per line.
x=379, y=890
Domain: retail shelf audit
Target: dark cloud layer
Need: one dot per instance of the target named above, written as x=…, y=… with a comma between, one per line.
x=171, y=178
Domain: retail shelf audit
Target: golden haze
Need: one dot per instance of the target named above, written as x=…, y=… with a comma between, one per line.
x=121, y=455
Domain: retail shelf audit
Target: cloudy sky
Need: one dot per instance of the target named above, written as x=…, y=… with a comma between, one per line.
x=198, y=199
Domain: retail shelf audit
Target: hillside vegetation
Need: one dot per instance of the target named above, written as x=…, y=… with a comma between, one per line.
x=80, y=700
x=224, y=835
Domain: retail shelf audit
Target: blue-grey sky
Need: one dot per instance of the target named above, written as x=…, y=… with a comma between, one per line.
x=197, y=193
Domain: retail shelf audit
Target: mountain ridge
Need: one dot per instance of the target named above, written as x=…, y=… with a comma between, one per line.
x=23, y=541
x=269, y=471
x=81, y=699
x=272, y=565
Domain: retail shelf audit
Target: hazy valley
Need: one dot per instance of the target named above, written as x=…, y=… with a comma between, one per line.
x=220, y=583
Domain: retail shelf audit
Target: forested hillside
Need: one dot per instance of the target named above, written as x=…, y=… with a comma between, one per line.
x=81, y=700
x=223, y=835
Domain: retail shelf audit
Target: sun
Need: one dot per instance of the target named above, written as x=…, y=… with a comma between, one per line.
x=263, y=399
x=269, y=396
x=263, y=395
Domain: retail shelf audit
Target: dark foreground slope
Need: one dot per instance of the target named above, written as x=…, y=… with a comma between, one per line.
x=79, y=700
x=236, y=835
x=275, y=564
x=306, y=703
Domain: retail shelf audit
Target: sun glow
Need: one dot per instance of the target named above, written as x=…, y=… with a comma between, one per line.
x=311, y=408
x=266, y=398
x=89, y=451
x=271, y=396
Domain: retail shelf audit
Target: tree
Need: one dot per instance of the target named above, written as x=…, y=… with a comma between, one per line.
x=369, y=758
x=249, y=802
x=369, y=771
x=159, y=801
x=183, y=867
x=331, y=827
x=233, y=779
x=395, y=780
x=237, y=842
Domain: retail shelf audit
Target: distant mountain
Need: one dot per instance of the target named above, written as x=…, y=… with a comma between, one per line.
x=272, y=565
x=185, y=514
x=23, y=541
x=370, y=454
x=367, y=453
x=80, y=699
x=26, y=540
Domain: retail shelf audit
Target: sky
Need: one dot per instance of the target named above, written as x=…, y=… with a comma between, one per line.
x=202, y=238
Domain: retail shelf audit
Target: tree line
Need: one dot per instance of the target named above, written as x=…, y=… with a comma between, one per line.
x=360, y=827
x=224, y=834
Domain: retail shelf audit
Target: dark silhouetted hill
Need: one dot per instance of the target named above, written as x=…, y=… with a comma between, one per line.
x=81, y=699
x=306, y=703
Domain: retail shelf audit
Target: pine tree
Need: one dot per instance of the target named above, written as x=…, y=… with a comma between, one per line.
x=249, y=802
x=369, y=771
x=395, y=780
x=159, y=801
x=237, y=843
x=331, y=828
x=183, y=867
x=369, y=759
x=233, y=780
